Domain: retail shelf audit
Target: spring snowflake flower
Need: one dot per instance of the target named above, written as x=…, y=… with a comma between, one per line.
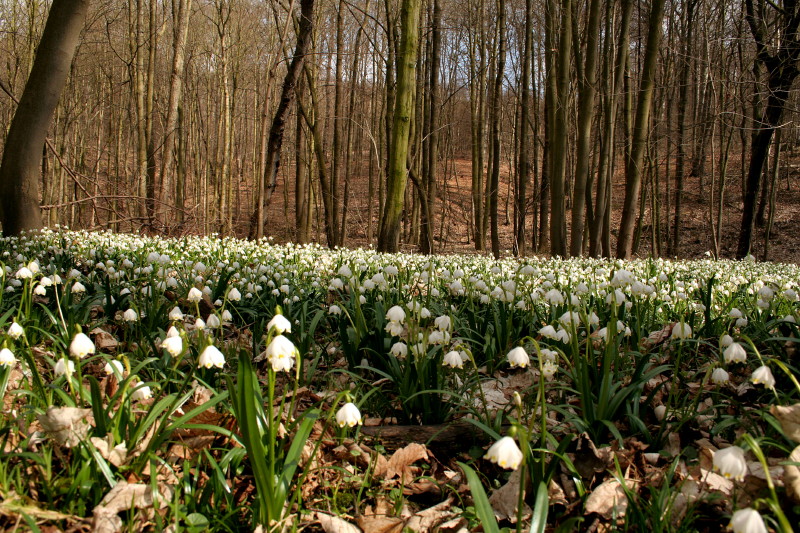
x=173, y=345
x=348, y=415
x=24, y=273
x=7, y=357
x=725, y=341
x=399, y=350
x=213, y=321
x=63, y=366
x=334, y=310
x=747, y=521
x=518, y=357
x=681, y=330
x=443, y=323
x=211, y=356
x=114, y=367
x=735, y=313
x=281, y=353
x=396, y=314
x=453, y=360
x=660, y=411
x=505, y=453
x=130, y=315
x=176, y=314
x=395, y=329
x=549, y=332
x=194, y=295
x=763, y=376
x=227, y=317
x=78, y=287
x=549, y=370
x=234, y=295
x=730, y=462
x=280, y=323
x=39, y=290
x=81, y=346
x=719, y=376
x=734, y=353
x=141, y=392
x=15, y=331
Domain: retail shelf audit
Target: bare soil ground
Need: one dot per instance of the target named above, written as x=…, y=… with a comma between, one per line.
x=454, y=212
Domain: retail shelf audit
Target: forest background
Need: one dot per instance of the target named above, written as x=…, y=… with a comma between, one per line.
x=569, y=127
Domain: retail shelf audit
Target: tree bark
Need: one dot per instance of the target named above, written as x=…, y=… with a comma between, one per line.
x=633, y=167
x=22, y=154
x=388, y=240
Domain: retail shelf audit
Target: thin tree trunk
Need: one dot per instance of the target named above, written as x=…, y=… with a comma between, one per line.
x=22, y=154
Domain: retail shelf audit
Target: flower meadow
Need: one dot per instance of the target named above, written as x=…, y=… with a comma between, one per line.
x=210, y=383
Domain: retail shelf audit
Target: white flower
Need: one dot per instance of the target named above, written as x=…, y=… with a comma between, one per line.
x=735, y=353
x=396, y=314
x=741, y=322
x=725, y=341
x=15, y=331
x=681, y=330
x=63, y=366
x=395, y=329
x=130, y=315
x=719, y=376
x=763, y=376
x=549, y=369
x=334, y=310
x=213, y=321
x=141, y=392
x=194, y=295
x=280, y=323
x=453, y=359
x=518, y=357
x=173, y=332
x=443, y=323
x=234, y=295
x=199, y=323
x=548, y=332
x=439, y=337
x=173, y=345
x=211, y=356
x=24, y=273
x=390, y=270
x=735, y=313
x=344, y=271
x=660, y=411
x=505, y=453
x=7, y=357
x=281, y=353
x=348, y=415
x=176, y=314
x=399, y=350
x=747, y=521
x=39, y=290
x=730, y=462
x=114, y=367
x=81, y=346
x=227, y=317
x=78, y=287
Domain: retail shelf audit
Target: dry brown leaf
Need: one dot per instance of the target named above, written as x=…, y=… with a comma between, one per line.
x=125, y=496
x=791, y=476
x=117, y=456
x=14, y=505
x=66, y=425
x=104, y=340
x=428, y=519
x=789, y=417
x=378, y=520
x=400, y=462
x=334, y=524
x=504, y=500
x=609, y=500
x=716, y=482
x=659, y=336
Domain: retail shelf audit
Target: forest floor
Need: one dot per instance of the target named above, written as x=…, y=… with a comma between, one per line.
x=454, y=213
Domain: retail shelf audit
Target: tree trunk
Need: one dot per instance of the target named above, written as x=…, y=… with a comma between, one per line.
x=494, y=179
x=275, y=142
x=633, y=167
x=585, y=116
x=22, y=154
x=428, y=188
x=181, y=12
x=523, y=163
x=388, y=240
